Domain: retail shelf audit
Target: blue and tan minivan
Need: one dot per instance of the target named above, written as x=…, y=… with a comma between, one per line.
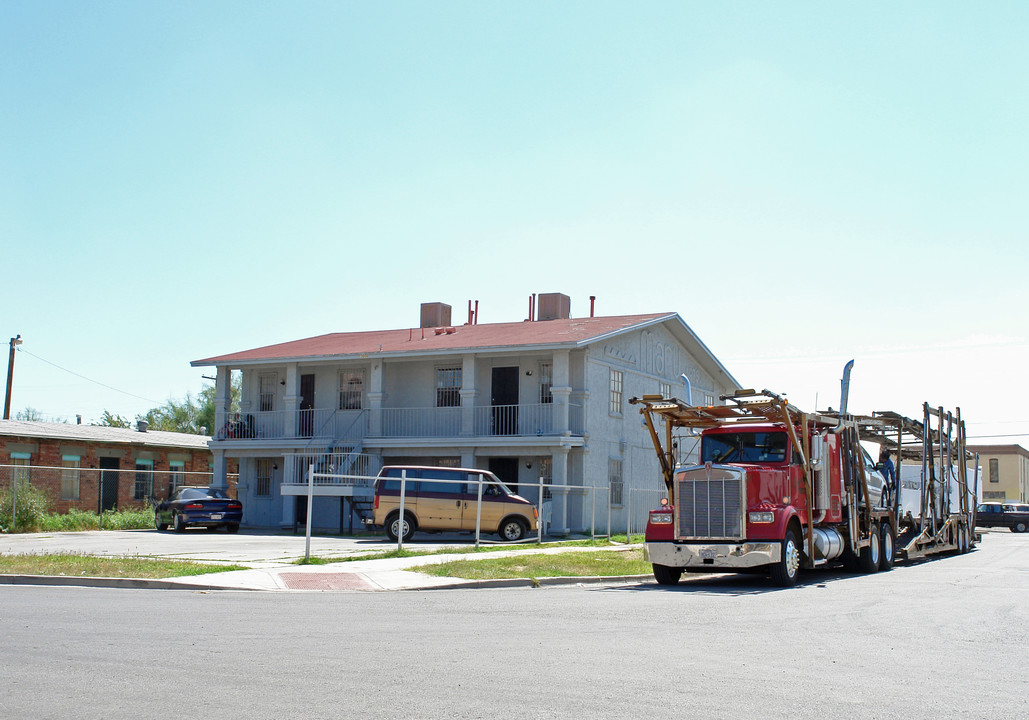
x=441, y=498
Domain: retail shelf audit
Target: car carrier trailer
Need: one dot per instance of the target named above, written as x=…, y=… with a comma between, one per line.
x=778, y=489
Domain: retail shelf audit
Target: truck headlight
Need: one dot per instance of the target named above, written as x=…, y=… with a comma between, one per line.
x=761, y=517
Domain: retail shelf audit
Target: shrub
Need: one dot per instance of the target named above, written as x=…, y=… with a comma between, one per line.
x=32, y=504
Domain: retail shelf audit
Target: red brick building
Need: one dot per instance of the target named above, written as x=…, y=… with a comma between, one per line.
x=96, y=468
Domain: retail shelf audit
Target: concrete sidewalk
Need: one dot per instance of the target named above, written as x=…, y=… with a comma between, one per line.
x=359, y=575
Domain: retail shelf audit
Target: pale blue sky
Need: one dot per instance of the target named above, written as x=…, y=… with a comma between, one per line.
x=803, y=182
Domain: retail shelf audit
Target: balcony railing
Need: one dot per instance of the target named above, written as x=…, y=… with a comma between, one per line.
x=323, y=425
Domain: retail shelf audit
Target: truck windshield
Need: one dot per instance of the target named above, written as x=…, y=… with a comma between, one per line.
x=767, y=447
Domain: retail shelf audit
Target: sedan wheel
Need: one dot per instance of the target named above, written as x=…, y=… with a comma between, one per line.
x=178, y=524
x=161, y=526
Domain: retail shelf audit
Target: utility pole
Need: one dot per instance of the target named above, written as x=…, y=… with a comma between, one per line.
x=15, y=341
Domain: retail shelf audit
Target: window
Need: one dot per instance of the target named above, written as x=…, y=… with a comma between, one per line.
x=994, y=470
x=614, y=472
x=176, y=475
x=546, y=383
x=70, y=465
x=709, y=399
x=143, y=487
x=448, y=387
x=616, y=392
x=666, y=391
x=546, y=466
x=266, y=400
x=351, y=389
x=263, y=487
x=767, y=447
x=21, y=466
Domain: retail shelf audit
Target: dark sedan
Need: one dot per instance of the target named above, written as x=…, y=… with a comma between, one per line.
x=201, y=507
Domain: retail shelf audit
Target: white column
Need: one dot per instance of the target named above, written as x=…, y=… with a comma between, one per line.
x=291, y=402
x=561, y=390
x=376, y=396
x=469, y=394
x=559, y=511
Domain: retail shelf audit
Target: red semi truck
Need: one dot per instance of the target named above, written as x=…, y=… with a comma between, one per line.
x=777, y=489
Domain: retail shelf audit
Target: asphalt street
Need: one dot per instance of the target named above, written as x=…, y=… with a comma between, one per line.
x=940, y=638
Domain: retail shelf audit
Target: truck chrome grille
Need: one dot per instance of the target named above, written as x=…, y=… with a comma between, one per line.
x=709, y=503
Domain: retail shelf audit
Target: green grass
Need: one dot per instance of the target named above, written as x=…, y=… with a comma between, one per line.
x=87, y=566
x=465, y=549
x=602, y=563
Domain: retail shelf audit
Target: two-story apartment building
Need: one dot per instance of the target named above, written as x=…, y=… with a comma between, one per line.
x=543, y=400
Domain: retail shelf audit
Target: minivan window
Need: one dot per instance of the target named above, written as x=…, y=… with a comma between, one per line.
x=441, y=488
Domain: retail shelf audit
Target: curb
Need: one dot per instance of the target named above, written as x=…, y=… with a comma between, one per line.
x=102, y=582
x=535, y=582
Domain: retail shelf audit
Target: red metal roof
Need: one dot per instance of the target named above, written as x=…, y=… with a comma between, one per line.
x=574, y=331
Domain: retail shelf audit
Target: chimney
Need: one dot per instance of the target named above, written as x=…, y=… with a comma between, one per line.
x=435, y=314
x=554, y=306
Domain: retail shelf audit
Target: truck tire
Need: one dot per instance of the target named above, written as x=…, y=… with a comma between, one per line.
x=667, y=575
x=785, y=572
x=887, y=547
x=1019, y=526
x=868, y=558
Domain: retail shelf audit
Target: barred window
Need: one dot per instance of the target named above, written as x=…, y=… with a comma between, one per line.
x=143, y=487
x=614, y=471
x=263, y=487
x=709, y=399
x=666, y=391
x=266, y=401
x=994, y=470
x=351, y=389
x=546, y=466
x=448, y=387
x=616, y=392
x=70, y=465
x=546, y=382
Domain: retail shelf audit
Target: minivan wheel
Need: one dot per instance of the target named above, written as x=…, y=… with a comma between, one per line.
x=513, y=529
x=393, y=526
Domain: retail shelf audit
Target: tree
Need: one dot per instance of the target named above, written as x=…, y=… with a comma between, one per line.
x=185, y=416
x=29, y=414
x=110, y=420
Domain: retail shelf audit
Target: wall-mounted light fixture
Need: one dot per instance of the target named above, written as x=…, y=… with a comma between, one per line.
x=282, y=382
x=528, y=466
x=528, y=373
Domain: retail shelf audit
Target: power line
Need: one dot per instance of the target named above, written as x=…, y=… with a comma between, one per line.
x=96, y=382
x=975, y=437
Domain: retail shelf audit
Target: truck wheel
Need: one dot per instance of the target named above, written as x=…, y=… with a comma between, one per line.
x=667, y=575
x=512, y=529
x=785, y=572
x=1019, y=526
x=868, y=560
x=887, y=547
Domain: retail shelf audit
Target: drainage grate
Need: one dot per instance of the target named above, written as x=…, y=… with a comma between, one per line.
x=325, y=581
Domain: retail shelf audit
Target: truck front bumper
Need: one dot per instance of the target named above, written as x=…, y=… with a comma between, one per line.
x=713, y=556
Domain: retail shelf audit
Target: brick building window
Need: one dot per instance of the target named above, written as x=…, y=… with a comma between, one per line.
x=21, y=467
x=994, y=470
x=351, y=389
x=70, y=465
x=263, y=487
x=176, y=475
x=448, y=387
x=144, y=485
x=617, y=380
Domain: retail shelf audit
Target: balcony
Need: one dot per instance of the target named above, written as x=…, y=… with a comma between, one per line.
x=353, y=426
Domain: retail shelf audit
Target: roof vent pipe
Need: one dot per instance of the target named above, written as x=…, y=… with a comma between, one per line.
x=142, y=425
x=593, y=302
